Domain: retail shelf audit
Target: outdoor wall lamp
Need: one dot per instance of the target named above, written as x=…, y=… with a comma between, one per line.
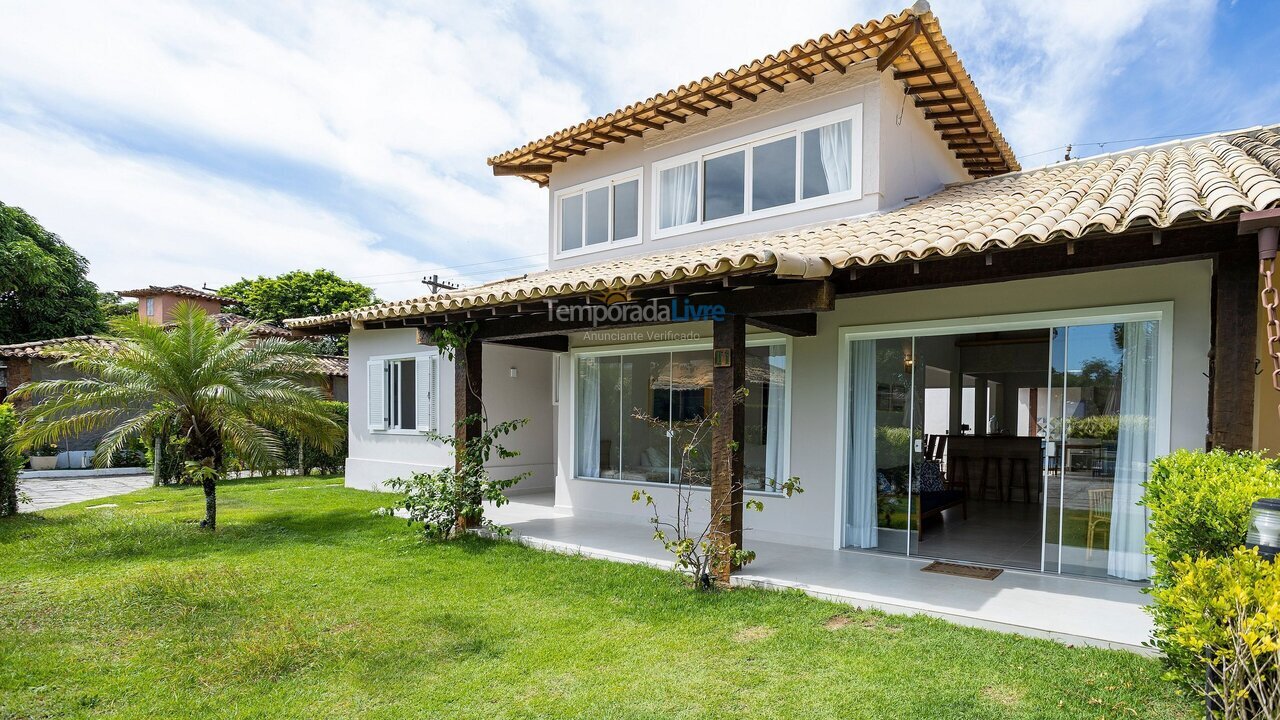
x=1264, y=527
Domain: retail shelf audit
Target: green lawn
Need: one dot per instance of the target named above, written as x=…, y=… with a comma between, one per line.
x=306, y=605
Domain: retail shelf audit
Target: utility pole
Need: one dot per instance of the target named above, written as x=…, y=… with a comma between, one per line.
x=437, y=284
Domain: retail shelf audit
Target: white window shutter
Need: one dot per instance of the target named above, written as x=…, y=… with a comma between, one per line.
x=377, y=395
x=424, y=384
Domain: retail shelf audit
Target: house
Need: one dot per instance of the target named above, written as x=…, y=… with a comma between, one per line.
x=22, y=362
x=960, y=358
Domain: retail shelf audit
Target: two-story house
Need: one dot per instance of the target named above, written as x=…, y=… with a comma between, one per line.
x=960, y=358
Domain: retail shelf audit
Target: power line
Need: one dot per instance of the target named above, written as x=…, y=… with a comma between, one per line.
x=1126, y=140
x=447, y=267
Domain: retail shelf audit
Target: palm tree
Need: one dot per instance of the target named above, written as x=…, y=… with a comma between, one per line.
x=219, y=390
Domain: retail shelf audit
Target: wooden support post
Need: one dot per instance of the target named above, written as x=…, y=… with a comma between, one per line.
x=729, y=375
x=467, y=393
x=1231, y=359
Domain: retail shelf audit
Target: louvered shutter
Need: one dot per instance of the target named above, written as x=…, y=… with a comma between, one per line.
x=426, y=386
x=377, y=394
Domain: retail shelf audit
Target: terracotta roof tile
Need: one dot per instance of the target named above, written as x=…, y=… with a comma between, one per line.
x=1203, y=179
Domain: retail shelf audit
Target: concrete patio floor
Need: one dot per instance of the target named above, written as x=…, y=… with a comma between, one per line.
x=1067, y=609
x=52, y=492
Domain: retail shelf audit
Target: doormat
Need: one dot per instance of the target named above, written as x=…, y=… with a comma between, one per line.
x=969, y=571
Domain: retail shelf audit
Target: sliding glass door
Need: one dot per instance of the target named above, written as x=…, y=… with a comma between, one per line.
x=1021, y=444
x=1101, y=435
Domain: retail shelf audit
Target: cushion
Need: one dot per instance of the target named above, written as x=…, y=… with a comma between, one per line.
x=651, y=457
x=928, y=476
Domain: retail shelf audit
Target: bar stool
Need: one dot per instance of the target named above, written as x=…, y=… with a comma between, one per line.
x=988, y=462
x=1020, y=468
x=959, y=474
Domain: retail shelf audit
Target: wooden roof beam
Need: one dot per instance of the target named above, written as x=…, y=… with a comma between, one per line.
x=771, y=83
x=647, y=123
x=804, y=74
x=902, y=42
x=920, y=73
x=717, y=100
x=670, y=116
x=588, y=143
x=936, y=102
x=961, y=145
x=630, y=130
x=832, y=62
x=949, y=114
x=936, y=87
x=742, y=93
x=690, y=107
x=510, y=170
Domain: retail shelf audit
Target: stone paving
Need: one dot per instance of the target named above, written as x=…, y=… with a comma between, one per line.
x=49, y=493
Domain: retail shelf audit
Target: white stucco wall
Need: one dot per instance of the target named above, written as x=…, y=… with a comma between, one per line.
x=812, y=517
x=376, y=456
x=899, y=159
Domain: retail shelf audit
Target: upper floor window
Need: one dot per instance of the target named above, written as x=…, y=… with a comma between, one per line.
x=803, y=165
x=598, y=214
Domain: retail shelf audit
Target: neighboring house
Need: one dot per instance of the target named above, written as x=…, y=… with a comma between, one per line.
x=23, y=362
x=959, y=358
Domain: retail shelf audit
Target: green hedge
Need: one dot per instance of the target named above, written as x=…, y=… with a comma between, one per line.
x=312, y=457
x=10, y=461
x=1199, y=507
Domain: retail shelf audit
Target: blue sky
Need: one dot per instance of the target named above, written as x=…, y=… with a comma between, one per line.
x=198, y=143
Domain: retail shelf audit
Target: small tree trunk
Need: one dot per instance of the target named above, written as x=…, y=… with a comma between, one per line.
x=157, y=455
x=9, y=502
x=210, y=505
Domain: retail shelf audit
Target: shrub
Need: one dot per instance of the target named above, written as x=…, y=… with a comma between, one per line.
x=1225, y=612
x=1199, y=511
x=451, y=500
x=10, y=461
x=1199, y=504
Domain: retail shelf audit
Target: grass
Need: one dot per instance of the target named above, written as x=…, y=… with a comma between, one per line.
x=304, y=604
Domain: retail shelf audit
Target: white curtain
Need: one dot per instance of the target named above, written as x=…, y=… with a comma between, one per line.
x=678, y=195
x=588, y=411
x=835, y=141
x=860, y=518
x=1134, y=447
x=773, y=425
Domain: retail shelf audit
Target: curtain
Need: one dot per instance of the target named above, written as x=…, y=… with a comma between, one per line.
x=860, y=518
x=1134, y=447
x=678, y=195
x=588, y=420
x=773, y=424
x=835, y=142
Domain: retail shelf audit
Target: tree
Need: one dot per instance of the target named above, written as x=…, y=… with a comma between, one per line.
x=114, y=307
x=43, y=289
x=296, y=294
x=216, y=389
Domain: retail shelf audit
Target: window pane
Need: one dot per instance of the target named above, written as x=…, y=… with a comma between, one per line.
x=598, y=216
x=678, y=195
x=773, y=174
x=645, y=444
x=724, y=177
x=598, y=414
x=408, y=396
x=690, y=380
x=764, y=404
x=626, y=210
x=828, y=159
x=571, y=223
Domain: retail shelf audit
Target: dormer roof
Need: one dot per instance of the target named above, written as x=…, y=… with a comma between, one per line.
x=909, y=44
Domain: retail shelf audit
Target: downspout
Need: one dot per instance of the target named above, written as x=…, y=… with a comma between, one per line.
x=1267, y=224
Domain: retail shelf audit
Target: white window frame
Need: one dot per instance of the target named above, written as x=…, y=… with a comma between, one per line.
x=432, y=361
x=796, y=130
x=582, y=189
x=1161, y=312
x=754, y=340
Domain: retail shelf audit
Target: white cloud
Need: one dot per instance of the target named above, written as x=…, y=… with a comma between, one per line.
x=388, y=111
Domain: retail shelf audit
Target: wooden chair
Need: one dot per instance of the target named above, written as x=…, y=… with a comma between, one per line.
x=1099, y=515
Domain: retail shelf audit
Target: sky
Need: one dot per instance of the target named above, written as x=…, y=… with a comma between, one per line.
x=198, y=143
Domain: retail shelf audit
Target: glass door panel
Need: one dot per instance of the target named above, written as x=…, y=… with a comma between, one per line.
x=878, y=507
x=1104, y=403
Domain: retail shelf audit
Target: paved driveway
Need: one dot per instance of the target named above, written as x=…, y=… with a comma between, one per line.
x=51, y=492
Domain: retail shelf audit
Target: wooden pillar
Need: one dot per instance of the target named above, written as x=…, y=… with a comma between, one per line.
x=468, y=366
x=1231, y=358
x=729, y=375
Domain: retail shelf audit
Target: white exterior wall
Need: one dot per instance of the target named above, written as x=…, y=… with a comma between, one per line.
x=811, y=518
x=376, y=456
x=830, y=92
